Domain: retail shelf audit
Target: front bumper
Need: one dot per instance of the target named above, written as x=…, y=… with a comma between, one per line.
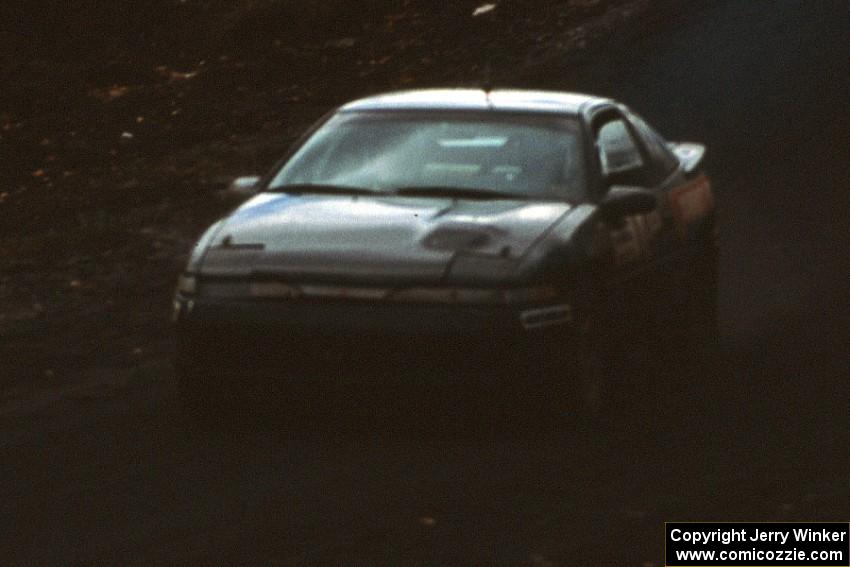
x=370, y=307
x=367, y=335
x=359, y=350
x=314, y=316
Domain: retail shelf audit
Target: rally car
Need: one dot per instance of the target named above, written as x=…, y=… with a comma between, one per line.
x=519, y=231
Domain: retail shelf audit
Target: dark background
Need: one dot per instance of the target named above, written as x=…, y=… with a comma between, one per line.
x=94, y=228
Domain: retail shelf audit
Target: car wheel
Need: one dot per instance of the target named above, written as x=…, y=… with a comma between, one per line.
x=593, y=378
x=577, y=377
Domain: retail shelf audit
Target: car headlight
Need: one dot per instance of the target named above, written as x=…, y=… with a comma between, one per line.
x=187, y=284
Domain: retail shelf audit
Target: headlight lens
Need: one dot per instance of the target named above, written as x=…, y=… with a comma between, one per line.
x=187, y=284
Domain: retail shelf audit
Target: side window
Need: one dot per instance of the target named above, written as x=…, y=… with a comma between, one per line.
x=618, y=151
x=664, y=163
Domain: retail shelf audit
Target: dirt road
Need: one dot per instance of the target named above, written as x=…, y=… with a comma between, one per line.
x=104, y=474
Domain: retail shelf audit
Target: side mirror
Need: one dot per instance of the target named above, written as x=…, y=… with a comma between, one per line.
x=622, y=201
x=245, y=186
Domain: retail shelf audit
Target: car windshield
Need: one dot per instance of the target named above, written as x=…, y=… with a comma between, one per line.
x=437, y=153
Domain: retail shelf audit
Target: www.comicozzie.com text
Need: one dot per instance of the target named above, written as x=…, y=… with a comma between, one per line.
x=781, y=536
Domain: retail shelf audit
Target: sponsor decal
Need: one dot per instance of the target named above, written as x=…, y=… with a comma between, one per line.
x=546, y=316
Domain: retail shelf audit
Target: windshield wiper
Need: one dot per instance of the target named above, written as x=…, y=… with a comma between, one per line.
x=320, y=188
x=455, y=192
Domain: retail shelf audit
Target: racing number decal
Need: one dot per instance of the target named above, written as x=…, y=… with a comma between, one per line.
x=691, y=202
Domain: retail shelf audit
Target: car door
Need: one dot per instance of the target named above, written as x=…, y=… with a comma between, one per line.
x=687, y=206
x=636, y=240
x=642, y=277
x=688, y=188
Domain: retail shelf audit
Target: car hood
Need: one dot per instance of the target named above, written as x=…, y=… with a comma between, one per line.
x=365, y=238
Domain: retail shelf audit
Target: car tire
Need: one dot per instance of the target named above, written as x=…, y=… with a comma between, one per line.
x=593, y=377
x=577, y=376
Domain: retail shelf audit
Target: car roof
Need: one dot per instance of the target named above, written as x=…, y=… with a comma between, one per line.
x=475, y=99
